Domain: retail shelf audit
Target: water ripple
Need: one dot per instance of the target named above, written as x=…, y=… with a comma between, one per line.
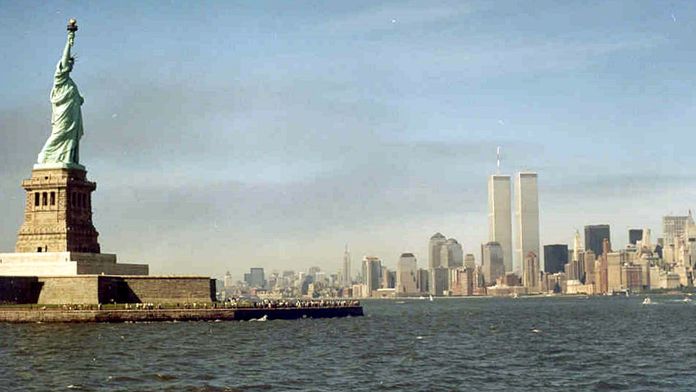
x=535, y=344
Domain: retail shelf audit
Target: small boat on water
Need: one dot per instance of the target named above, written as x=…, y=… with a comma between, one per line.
x=431, y=298
x=647, y=301
x=686, y=299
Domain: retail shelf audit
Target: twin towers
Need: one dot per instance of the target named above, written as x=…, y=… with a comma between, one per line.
x=526, y=218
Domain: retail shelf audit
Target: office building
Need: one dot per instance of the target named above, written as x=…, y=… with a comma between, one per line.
x=632, y=277
x=407, y=275
x=346, y=272
x=589, y=267
x=228, y=281
x=451, y=254
x=470, y=261
x=372, y=273
x=388, y=279
x=601, y=267
x=594, y=238
x=531, y=273
x=673, y=228
x=492, y=262
x=555, y=257
x=527, y=214
x=255, y=278
x=423, y=280
x=462, y=281
x=615, y=263
x=635, y=235
x=437, y=241
x=439, y=281
x=500, y=216
x=577, y=247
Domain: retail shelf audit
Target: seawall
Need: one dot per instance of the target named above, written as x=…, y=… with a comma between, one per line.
x=104, y=289
x=38, y=315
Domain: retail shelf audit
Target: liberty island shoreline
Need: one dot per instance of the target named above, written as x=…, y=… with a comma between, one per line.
x=89, y=314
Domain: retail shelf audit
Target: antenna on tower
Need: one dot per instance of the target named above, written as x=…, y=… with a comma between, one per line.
x=497, y=153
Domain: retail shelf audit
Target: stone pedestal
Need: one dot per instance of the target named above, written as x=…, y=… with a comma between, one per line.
x=58, y=237
x=58, y=212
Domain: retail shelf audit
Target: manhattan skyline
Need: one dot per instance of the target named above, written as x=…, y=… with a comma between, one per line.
x=291, y=130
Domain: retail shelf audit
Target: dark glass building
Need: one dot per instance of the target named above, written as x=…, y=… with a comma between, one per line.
x=594, y=236
x=635, y=235
x=555, y=257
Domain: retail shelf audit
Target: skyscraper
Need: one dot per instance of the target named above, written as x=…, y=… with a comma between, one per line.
x=673, y=228
x=255, y=278
x=372, y=273
x=555, y=257
x=635, y=235
x=470, y=261
x=594, y=238
x=500, y=215
x=407, y=275
x=492, y=262
x=347, y=277
x=439, y=280
x=451, y=254
x=423, y=280
x=530, y=276
x=434, y=250
x=577, y=247
x=527, y=213
x=228, y=281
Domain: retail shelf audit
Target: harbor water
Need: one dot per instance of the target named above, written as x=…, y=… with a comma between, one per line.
x=525, y=344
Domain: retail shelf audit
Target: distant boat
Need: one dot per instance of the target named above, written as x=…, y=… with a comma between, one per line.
x=647, y=301
x=421, y=297
x=515, y=295
x=686, y=299
x=430, y=298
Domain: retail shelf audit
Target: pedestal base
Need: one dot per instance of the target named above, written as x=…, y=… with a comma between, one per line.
x=58, y=211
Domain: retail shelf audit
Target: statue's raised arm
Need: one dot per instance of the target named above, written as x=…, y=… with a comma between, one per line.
x=63, y=146
x=67, y=60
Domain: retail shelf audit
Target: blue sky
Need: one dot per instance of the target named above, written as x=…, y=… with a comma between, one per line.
x=225, y=135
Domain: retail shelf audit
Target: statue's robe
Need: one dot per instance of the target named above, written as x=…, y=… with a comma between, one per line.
x=66, y=120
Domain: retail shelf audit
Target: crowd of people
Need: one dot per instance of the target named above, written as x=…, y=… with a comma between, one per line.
x=231, y=303
x=288, y=303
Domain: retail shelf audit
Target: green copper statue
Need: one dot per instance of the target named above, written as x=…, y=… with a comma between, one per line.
x=63, y=146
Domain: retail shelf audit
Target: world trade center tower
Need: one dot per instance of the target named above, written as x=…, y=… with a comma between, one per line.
x=500, y=215
x=527, y=213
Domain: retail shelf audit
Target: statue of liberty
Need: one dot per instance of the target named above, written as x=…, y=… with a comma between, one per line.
x=63, y=146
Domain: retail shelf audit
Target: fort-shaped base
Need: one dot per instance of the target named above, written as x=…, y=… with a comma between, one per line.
x=66, y=264
x=105, y=289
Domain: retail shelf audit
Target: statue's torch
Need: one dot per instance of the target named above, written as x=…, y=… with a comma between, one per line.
x=72, y=26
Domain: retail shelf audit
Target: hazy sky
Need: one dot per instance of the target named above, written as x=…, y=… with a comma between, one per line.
x=226, y=135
